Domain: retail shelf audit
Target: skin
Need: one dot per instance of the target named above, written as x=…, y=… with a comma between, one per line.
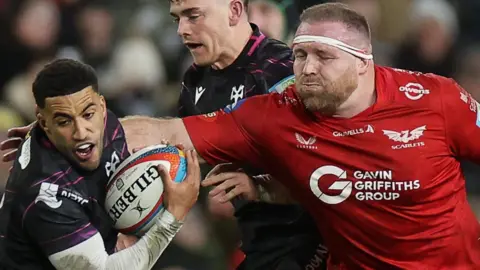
x=328, y=80
x=214, y=24
x=72, y=120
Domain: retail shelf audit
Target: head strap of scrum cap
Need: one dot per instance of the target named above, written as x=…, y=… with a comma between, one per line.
x=335, y=43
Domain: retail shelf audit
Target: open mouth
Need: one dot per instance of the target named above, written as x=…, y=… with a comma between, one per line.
x=84, y=151
x=193, y=46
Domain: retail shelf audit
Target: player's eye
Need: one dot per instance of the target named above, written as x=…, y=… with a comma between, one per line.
x=63, y=122
x=176, y=20
x=193, y=17
x=299, y=56
x=88, y=115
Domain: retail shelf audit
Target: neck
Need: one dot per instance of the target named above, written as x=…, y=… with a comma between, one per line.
x=232, y=50
x=361, y=99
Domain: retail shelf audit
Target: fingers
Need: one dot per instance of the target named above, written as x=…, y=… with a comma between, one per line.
x=231, y=194
x=138, y=149
x=193, y=167
x=224, y=167
x=12, y=143
x=180, y=146
x=198, y=173
x=19, y=131
x=10, y=156
x=219, y=178
x=165, y=141
x=223, y=187
x=166, y=179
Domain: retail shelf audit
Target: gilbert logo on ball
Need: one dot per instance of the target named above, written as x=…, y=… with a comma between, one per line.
x=135, y=190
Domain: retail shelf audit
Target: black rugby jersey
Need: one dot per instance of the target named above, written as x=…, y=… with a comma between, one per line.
x=50, y=206
x=270, y=233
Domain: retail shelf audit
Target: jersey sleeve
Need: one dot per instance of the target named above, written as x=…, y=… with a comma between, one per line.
x=233, y=134
x=462, y=119
x=55, y=224
x=279, y=73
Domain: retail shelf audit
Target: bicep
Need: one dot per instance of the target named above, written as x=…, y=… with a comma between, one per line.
x=229, y=135
x=462, y=117
x=57, y=226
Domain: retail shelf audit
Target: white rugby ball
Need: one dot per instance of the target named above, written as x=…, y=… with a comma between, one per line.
x=135, y=190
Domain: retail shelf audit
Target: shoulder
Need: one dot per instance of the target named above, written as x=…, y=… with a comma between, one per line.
x=192, y=76
x=273, y=49
x=273, y=65
x=416, y=89
x=113, y=128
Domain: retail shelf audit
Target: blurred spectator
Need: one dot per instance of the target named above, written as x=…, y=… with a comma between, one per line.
x=468, y=70
x=429, y=46
x=371, y=10
x=18, y=91
x=31, y=34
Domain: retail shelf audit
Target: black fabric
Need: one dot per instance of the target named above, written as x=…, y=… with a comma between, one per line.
x=51, y=206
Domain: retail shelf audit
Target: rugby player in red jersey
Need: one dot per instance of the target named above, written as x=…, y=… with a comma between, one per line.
x=371, y=152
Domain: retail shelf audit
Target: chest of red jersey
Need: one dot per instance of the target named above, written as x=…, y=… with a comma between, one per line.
x=393, y=156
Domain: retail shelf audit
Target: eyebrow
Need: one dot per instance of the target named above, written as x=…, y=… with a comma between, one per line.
x=186, y=12
x=60, y=114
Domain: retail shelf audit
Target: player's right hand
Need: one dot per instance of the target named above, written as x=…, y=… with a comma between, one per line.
x=15, y=136
x=180, y=197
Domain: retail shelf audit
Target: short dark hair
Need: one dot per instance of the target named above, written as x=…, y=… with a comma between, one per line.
x=62, y=77
x=245, y=3
x=337, y=12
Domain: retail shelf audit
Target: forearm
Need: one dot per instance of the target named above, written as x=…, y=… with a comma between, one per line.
x=145, y=253
x=91, y=253
x=141, y=131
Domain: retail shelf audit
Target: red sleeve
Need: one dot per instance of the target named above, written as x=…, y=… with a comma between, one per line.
x=230, y=135
x=462, y=120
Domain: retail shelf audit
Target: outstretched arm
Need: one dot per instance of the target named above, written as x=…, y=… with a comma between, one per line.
x=141, y=131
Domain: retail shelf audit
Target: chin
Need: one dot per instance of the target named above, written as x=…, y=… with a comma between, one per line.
x=202, y=61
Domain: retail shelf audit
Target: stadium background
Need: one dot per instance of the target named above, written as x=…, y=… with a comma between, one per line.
x=140, y=61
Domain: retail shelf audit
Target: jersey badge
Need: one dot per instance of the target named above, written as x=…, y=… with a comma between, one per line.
x=199, y=92
x=406, y=137
x=280, y=86
x=305, y=143
x=237, y=94
x=414, y=91
x=48, y=195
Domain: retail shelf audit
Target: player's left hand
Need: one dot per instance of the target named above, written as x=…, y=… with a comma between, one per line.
x=230, y=184
x=125, y=241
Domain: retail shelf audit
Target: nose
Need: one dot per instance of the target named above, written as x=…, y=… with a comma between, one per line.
x=183, y=28
x=80, y=133
x=311, y=66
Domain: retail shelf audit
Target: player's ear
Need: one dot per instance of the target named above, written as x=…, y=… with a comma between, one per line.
x=362, y=66
x=41, y=120
x=237, y=10
x=103, y=104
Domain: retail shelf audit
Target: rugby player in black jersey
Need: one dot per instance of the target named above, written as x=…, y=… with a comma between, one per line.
x=52, y=215
x=233, y=60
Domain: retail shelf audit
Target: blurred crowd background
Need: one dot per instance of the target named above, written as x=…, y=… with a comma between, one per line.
x=140, y=60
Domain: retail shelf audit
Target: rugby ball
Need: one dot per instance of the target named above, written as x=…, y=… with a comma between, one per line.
x=135, y=190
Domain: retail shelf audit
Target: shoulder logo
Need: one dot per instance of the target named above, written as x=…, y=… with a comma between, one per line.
x=199, y=90
x=414, y=91
x=48, y=195
x=24, y=158
x=237, y=94
x=280, y=86
x=112, y=165
x=305, y=143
